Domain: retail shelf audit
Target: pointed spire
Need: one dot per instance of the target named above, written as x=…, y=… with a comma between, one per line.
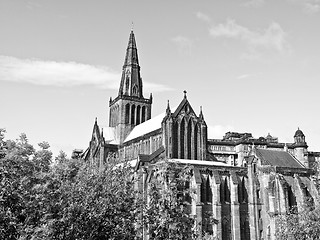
x=185, y=94
x=132, y=53
x=131, y=81
x=96, y=121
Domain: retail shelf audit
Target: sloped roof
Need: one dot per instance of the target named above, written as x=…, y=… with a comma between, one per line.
x=146, y=127
x=109, y=134
x=277, y=158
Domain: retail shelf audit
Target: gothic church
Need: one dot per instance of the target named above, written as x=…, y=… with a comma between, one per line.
x=242, y=181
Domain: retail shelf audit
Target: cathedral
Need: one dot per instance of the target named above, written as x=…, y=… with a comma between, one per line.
x=241, y=181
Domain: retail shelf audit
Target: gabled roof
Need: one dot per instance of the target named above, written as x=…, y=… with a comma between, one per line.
x=146, y=127
x=180, y=107
x=277, y=158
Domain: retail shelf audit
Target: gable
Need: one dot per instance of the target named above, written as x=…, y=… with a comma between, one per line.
x=184, y=109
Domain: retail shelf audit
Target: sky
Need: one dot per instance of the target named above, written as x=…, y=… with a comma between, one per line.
x=253, y=65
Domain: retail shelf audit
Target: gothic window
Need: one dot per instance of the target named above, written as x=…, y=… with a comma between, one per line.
x=243, y=192
x=127, y=116
x=208, y=190
x=182, y=126
x=135, y=90
x=225, y=193
x=175, y=140
x=292, y=202
x=143, y=118
x=127, y=85
x=308, y=198
x=189, y=135
x=133, y=110
x=196, y=142
x=138, y=115
x=203, y=193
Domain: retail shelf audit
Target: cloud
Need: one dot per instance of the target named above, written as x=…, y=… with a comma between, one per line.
x=203, y=17
x=218, y=131
x=62, y=74
x=184, y=44
x=273, y=37
x=244, y=76
x=310, y=6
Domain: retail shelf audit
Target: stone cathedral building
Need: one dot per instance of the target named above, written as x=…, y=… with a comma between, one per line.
x=241, y=181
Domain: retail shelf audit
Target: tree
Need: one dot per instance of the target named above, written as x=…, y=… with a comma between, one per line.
x=303, y=225
x=85, y=204
x=166, y=213
x=18, y=176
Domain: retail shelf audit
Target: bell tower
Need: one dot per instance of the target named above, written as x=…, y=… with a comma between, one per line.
x=129, y=108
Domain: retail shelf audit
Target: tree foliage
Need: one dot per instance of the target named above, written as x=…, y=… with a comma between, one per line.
x=69, y=199
x=304, y=225
x=167, y=211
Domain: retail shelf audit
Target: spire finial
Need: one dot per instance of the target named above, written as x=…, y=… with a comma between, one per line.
x=185, y=93
x=168, y=108
x=96, y=120
x=201, y=114
x=132, y=25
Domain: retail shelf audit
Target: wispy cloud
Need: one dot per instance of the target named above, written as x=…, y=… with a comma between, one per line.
x=244, y=76
x=62, y=74
x=308, y=6
x=273, y=37
x=184, y=44
x=204, y=17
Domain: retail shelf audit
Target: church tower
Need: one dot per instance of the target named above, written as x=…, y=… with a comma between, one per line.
x=129, y=108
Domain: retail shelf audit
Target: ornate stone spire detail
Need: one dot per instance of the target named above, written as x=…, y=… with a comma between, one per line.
x=131, y=82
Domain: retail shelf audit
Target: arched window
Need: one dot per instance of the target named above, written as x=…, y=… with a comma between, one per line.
x=203, y=194
x=196, y=142
x=208, y=190
x=175, y=144
x=135, y=90
x=182, y=126
x=133, y=110
x=189, y=134
x=292, y=202
x=127, y=85
x=127, y=116
x=226, y=191
x=242, y=192
x=143, y=117
x=138, y=115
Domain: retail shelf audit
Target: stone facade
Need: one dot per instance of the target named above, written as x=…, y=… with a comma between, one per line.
x=241, y=181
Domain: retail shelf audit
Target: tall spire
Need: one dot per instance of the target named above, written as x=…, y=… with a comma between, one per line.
x=131, y=82
x=132, y=53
